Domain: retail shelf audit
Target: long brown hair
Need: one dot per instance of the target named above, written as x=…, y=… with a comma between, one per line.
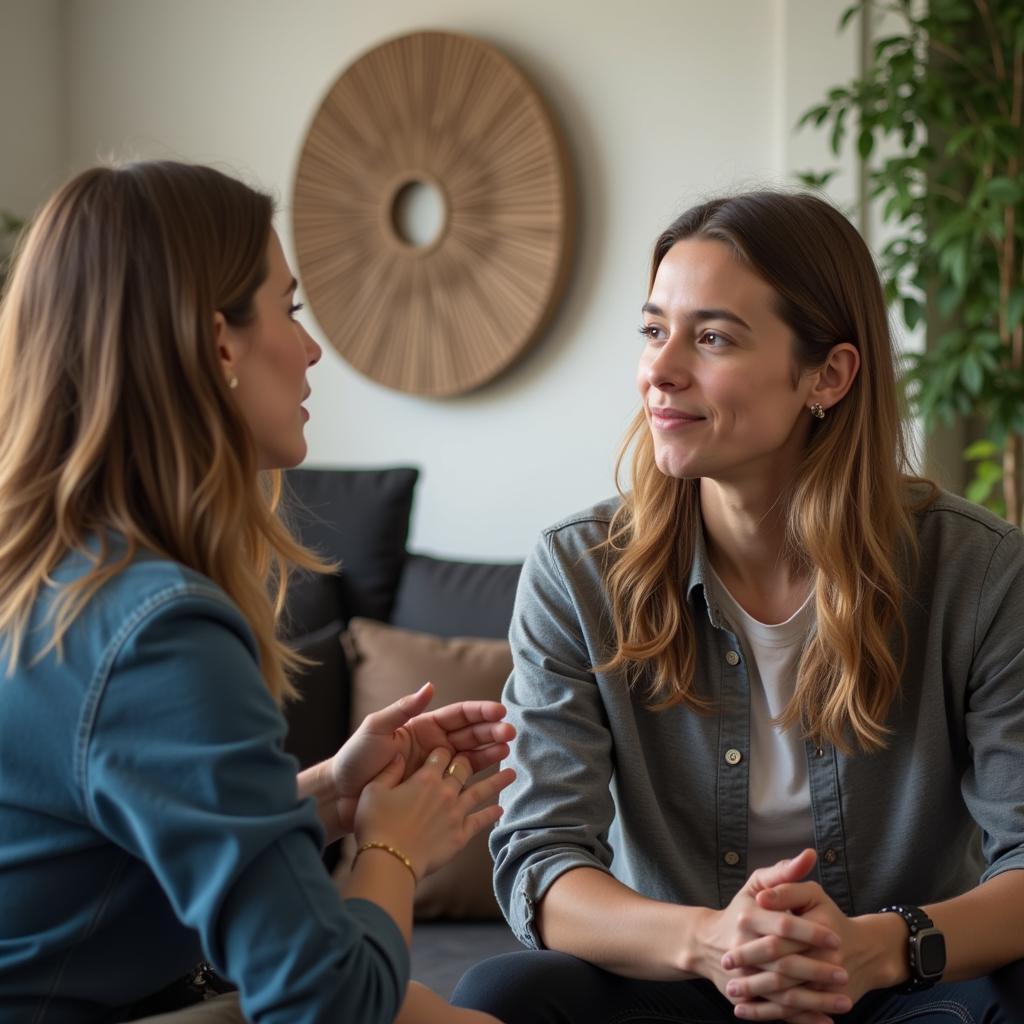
x=115, y=419
x=850, y=510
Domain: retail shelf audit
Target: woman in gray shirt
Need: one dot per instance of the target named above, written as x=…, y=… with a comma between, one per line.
x=777, y=641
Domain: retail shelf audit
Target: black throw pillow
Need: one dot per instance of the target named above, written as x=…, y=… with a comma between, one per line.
x=449, y=598
x=359, y=518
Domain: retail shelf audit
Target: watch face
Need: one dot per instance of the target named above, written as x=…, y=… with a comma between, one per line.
x=931, y=953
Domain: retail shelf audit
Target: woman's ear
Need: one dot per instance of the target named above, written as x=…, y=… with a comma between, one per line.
x=836, y=377
x=228, y=348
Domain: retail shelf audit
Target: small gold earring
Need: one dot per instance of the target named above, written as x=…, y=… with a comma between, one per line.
x=817, y=411
x=233, y=383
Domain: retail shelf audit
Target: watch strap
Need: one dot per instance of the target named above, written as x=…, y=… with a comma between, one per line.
x=917, y=921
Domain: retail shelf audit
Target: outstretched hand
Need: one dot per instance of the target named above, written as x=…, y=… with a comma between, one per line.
x=433, y=813
x=472, y=727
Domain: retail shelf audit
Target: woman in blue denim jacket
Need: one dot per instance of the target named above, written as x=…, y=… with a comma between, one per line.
x=771, y=702
x=151, y=368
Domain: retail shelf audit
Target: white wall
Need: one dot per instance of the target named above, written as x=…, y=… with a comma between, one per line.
x=33, y=128
x=662, y=102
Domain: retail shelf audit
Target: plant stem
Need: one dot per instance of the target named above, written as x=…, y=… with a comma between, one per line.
x=993, y=37
x=1015, y=344
x=1011, y=483
x=951, y=54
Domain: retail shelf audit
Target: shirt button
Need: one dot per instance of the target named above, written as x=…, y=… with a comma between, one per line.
x=732, y=858
x=732, y=658
x=819, y=752
x=830, y=856
x=733, y=756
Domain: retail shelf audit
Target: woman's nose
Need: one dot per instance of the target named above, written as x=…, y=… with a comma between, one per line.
x=668, y=370
x=313, y=350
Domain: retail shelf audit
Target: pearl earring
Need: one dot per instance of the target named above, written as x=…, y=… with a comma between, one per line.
x=233, y=383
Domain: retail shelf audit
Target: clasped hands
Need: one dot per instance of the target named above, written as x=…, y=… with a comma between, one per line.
x=787, y=952
x=472, y=728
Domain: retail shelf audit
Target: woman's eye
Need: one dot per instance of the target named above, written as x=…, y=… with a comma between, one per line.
x=294, y=308
x=650, y=331
x=713, y=339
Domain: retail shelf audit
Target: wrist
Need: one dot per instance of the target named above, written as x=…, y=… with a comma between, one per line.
x=883, y=940
x=699, y=954
x=377, y=846
x=925, y=947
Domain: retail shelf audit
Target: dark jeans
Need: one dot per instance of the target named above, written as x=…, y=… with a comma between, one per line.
x=542, y=987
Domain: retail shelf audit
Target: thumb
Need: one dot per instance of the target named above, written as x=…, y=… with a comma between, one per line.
x=395, y=715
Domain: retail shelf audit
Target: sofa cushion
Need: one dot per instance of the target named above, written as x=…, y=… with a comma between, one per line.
x=451, y=598
x=360, y=519
x=391, y=662
x=318, y=719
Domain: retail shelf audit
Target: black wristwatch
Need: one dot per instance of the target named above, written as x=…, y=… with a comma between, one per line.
x=926, y=949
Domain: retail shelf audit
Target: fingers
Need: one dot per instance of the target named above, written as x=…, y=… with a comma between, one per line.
x=453, y=717
x=486, y=790
x=458, y=770
x=480, y=734
x=482, y=819
x=782, y=1004
x=486, y=756
x=784, y=973
x=795, y=896
x=396, y=714
x=437, y=761
x=771, y=926
x=483, y=792
x=793, y=870
x=762, y=952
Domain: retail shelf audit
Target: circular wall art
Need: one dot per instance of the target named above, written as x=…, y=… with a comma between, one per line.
x=447, y=116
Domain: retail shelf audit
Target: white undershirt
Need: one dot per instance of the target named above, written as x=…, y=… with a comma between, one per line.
x=779, y=822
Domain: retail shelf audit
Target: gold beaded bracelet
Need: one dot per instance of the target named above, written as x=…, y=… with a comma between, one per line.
x=387, y=849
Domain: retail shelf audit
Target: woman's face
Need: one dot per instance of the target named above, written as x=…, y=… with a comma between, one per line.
x=717, y=374
x=269, y=357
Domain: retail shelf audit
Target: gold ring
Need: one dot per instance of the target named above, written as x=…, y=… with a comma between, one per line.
x=450, y=770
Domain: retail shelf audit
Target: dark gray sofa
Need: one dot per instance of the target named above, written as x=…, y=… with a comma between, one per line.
x=360, y=519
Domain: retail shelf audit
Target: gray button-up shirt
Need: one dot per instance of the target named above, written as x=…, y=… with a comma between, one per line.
x=659, y=799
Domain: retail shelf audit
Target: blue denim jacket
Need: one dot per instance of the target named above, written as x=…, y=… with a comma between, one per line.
x=149, y=817
x=659, y=799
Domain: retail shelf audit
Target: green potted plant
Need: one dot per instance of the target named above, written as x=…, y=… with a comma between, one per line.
x=937, y=117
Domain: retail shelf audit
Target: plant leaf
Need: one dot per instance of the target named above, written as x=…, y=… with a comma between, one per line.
x=1004, y=190
x=850, y=11
x=985, y=448
x=972, y=374
x=911, y=312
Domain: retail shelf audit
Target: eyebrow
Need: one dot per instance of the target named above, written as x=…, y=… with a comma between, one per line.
x=699, y=314
x=291, y=287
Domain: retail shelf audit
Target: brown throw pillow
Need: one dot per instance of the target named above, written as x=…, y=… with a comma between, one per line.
x=387, y=664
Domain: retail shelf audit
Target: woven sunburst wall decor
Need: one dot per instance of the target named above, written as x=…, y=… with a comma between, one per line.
x=453, y=113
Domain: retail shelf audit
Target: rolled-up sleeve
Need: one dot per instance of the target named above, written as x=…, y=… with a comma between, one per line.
x=995, y=710
x=181, y=764
x=558, y=812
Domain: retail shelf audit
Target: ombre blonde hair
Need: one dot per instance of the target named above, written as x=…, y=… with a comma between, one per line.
x=117, y=429
x=849, y=513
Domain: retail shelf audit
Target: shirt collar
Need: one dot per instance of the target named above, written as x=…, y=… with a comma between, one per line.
x=697, y=590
